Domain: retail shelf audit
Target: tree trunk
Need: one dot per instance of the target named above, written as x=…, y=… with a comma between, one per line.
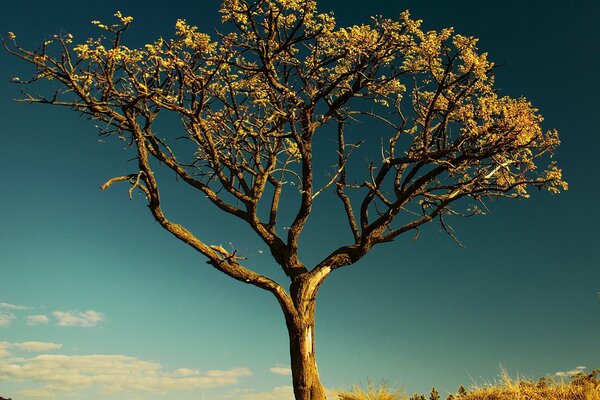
x=305, y=376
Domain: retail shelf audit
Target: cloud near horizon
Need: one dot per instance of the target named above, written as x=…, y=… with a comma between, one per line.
x=6, y=318
x=281, y=370
x=277, y=393
x=86, y=319
x=113, y=374
x=8, y=306
x=27, y=346
x=568, y=374
x=37, y=346
x=37, y=320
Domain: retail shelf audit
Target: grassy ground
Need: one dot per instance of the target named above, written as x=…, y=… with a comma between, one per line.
x=581, y=387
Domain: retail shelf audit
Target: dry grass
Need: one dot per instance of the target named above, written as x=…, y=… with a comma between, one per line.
x=380, y=392
x=581, y=387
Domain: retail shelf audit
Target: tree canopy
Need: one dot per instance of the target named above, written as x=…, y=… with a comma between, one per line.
x=252, y=100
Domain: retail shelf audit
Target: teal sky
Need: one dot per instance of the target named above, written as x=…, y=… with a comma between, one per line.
x=97, y=300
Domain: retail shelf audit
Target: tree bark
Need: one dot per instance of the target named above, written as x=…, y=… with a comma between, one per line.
x=305, y=375
x=300, y=321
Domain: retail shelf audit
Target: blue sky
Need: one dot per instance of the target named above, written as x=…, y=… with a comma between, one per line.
x=87, y=278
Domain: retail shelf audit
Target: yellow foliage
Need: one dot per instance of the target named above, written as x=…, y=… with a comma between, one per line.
x=285, y=61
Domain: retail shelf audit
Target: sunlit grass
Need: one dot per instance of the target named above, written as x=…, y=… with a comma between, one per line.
x=583, y=386
x=373, y=392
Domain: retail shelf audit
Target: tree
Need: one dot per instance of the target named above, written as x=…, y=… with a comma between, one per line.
x=253, y=100
x=434, y=395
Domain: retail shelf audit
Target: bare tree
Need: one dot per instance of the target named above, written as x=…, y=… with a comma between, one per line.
x=251, y=103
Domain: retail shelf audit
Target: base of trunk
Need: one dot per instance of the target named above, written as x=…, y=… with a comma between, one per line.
x=305, y=375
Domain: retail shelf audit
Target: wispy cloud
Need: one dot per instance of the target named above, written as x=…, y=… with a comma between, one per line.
x=111, y=374
x=187, y=372
x=6, y=318
x=278, y=393
x=8, y=306
x=37, y=320
x=86, y=319
x=37, y=346
x=568, y=374
x=4, y=349
x=37, y=393
x=281, y=370
x=27, y=346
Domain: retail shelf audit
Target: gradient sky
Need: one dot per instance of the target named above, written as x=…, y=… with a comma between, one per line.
x=97, y=301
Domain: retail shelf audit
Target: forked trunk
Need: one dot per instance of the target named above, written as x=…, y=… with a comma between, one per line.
x=305, y=376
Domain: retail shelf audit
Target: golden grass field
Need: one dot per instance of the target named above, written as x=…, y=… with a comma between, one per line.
x=583, y=386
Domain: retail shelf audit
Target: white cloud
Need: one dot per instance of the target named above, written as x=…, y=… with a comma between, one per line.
x=37, y=346
x=27, y=346
x=187, y=371
x=227, y=374
x=36, y=393
x=7, y=306
x=4, y=349
x=86, y=319
x=278, y=393
x=37, y=320
x=6, y=318
x=281, y=370
x=57, y=374
x=568, y=374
